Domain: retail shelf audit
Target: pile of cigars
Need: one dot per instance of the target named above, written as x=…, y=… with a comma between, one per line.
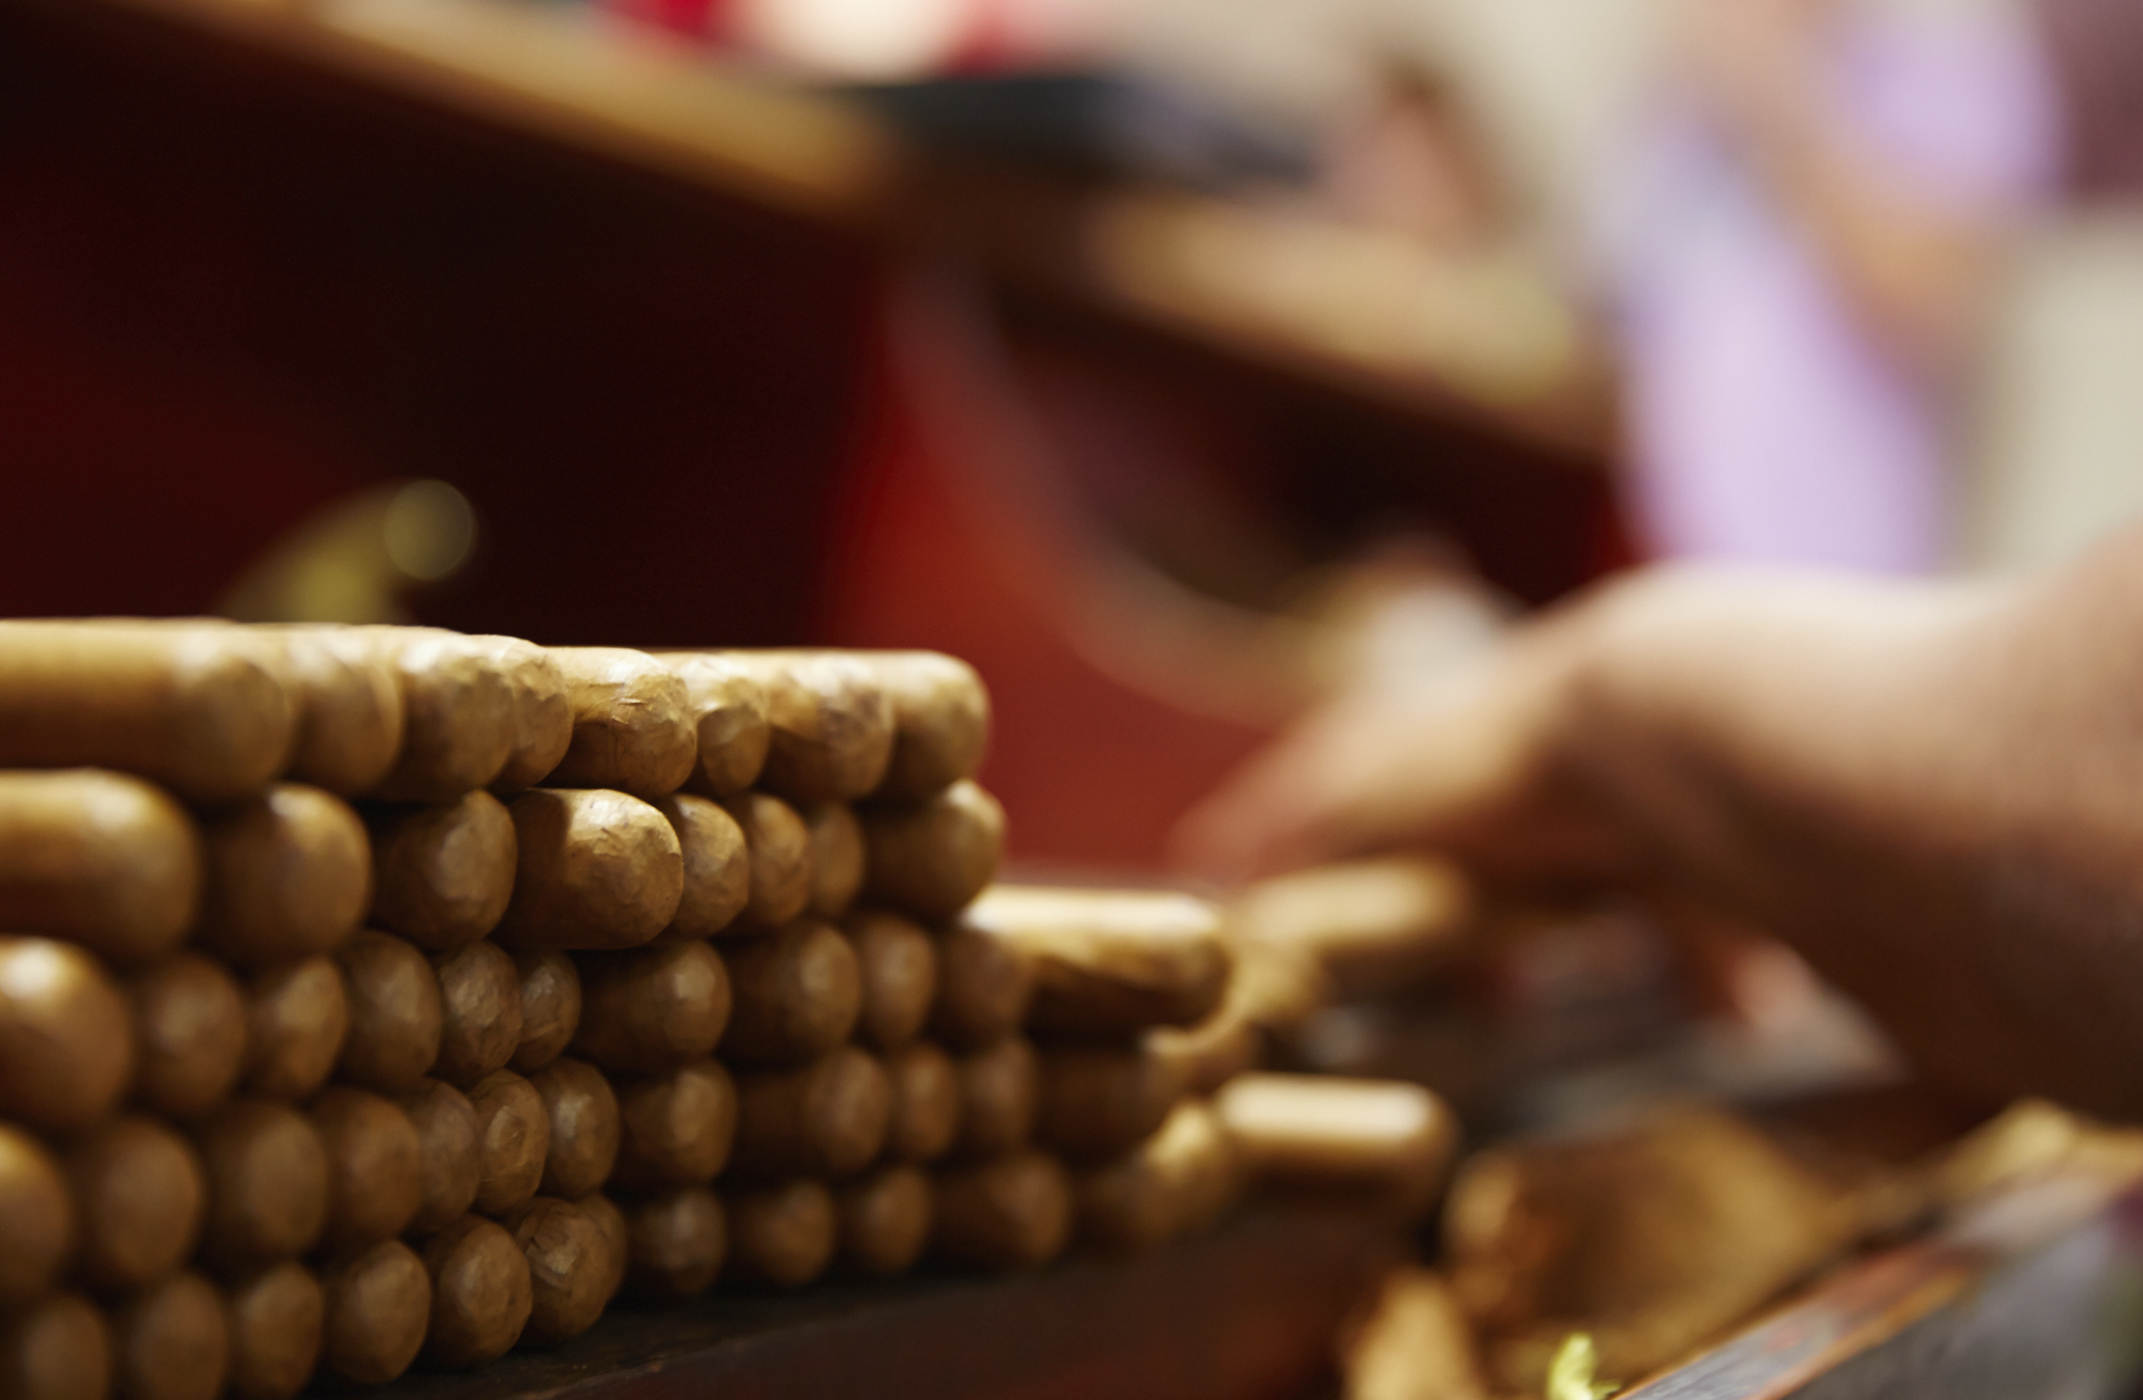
x=374, y=997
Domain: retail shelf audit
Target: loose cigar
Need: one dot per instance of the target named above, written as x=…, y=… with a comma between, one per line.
x=617, y=1236
x=718, y=870
x=379, y=1305
x=730, y=713
x=1000, y=1094
x=1110, y=962
x=652, y=1010
x=830, y=725
x=140, y=1196
x=66, y=1036
x=941, y=717
x=1372, y=926
x=779, y=847
x=37, y=1217
x=1209, y=1054
x=542, y=714
x=480, y=1012
x=375, y=1168
x=1323, y=1133
x=836, y=840
x=513, y=1135
x=1097, y=1100
x=550, y=1009
x=450, y=1154
x=1414, y=1340
x=349, y=708
x=931, y=859
x=267, y=1184
x=783, y=1235
x=297, y=1016
x=481, y=1293
x=675, y=1129
x=632, y=728
x=1010, y=1211
x=985, y=986
x=826, y=1119
x=885, y=1220
x=597, y=869
x=396, y=1016
x=798, y=993
x=100, y=859
x=899, y=966
x=583, y=1115
x=202, y=711
x=1177, y=1182
x=171, y=1341
x=677, y=1241
x=58, y=1348
x=458, y=705
x=569, y=1267
x=277, y=1317
x=926, y=1103
x=189, y=1036
x=289, y=874
x=443, y=873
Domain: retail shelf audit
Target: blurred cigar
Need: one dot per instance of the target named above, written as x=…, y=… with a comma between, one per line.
x=597, y=869
x=542, y=713
x=933, y=857
x=632, y=727
x=653, y=1009
x=617, y=1236
x=1000, y=1095
x=189, y=1035
x=1372, y=925
x=885, y=1220
x=1414, y=1342
x=449, y=1154
x=481, y=1293
x=717, y=866
x=830, y=724
x=171, y=1341
x=460, y=724
x=37, y=1217
x=899, y=966
x=139, y=1197
x=443, y=873
x=1097, y=1100
x=297, y=1016
x=1374, y=1140
x=825, y=1119
x=289, y=875
x=57, y=1348
x=267, y=1173
x=203, y=711
x=480, y=1012
x=513, y=1135
x=779, y=849
x=1177, y=1182
x=348, y=707
x=729, y=715
x=378, y=1308
x=583, y=1114
x=550, y=1009
x=797, y=994
x=675, y=1129
x=984, y=987
x=395, y=1013
x=677, y=1240
x=1209, y=1054
x=104, y=860
x=66, y=1036
x=375, y=1167
x=784, y=1234
x=276, y=1316
x=1009, y=1211
x=569, y=1264
x=836, y=840
x=941, y=720
x=925, y=1114
x=1110, y=962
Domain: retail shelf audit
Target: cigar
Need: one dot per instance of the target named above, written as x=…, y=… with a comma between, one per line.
x=481, y=1293
x=730, y=716
x=375, y=1168
x=542, y=713
x=830, y=724
x=825, y=1119
x=885, y=1220
x=985, y=986
x=933, y=857
x=1367, y=1138
x=100, y=859
x=677, y=1241
x=480, y=1012
x=37, y=1218
x=267, y=1184
x=999, y=1097
x=1177, y=1182
x=139, y=1199
x=66, y=1036
x=449, y=1154
x=1415, y=1340
x=1371, y=925
x=1097, y=1100
x=1009, y=1211
x=379, y=1305
x=783, y=1235
x=597, y=869
x=189, y=1036
x=652, y=1010
x=171, y=1342
x=779, y=848
x=941, y=719
x=57, y=1348
x=675, y=1129
x=718, y=870
x=513, y=1134
x=550, y=1009
x=1111, y=962
x=442, y=873
x=277, y=1316
x=1209, y=1054
x=459, y=713
x=396, y=1015
x=899, y=966
x=836, y=841
x=297, y=1016
x=617, y=1236
x=348, y=706
x=797, y=995
x=583, y=1115
x=202, y=711
x=632, y=727
x=289, y=874
x=925, y=1115
x=569, y=1266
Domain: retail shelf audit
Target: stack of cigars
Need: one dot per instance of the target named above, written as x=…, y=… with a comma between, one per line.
x=378, y=996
